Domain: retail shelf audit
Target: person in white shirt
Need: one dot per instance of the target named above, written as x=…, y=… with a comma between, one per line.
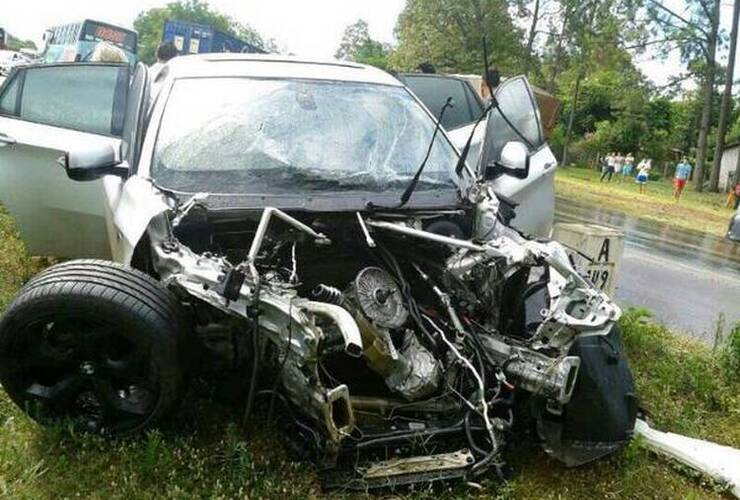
x=643, y=169
x=607, y=168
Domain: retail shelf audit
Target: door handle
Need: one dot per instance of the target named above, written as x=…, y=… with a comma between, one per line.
x=6, y=140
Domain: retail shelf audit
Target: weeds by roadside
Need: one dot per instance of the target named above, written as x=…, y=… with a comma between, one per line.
x=685, y=387
x=13, y=261
x=730, y=353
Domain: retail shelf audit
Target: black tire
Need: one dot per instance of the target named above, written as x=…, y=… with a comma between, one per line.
x=95, y=342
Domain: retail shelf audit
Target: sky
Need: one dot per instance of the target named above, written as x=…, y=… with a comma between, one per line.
x=309, y=28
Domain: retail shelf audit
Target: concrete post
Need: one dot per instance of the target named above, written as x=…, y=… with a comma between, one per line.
x=602, y=248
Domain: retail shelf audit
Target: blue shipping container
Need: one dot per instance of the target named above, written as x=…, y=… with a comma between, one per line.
x=191, y=38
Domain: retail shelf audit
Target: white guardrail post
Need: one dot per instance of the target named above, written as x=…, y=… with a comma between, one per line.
x=604, y=247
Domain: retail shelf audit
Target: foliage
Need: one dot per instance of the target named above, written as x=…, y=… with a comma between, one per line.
x=687, y=31
x=13, y=259
x=14, y=43
x=697, y=33
x=449, y=34
x=618, y=112
x=731, y=352
x=150, y=24
x=373, y=53
x=358, y=46
x=354, y=35
x=683, y=386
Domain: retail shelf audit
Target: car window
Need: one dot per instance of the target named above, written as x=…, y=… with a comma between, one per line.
x=278, y=136
x=9, y=98
x=515, y=98
x=88, y=98
x=434, y=91
x=473, y=101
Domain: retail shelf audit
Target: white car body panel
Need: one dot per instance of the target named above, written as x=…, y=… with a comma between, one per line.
x=132, y=205
x=535, y=194
x=56, y=216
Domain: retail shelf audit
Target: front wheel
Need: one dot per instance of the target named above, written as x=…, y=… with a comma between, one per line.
x=96, y=342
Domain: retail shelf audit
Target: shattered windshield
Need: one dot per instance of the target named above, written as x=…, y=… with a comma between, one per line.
x=280, y=136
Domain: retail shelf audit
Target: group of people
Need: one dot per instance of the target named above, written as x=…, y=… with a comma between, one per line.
x=624, y=167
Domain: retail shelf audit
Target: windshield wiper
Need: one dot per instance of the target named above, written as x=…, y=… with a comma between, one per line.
x=412, y=185
x=491, y=105
x=466, y=148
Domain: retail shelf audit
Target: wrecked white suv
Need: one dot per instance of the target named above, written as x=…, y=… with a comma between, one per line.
x=310, y=224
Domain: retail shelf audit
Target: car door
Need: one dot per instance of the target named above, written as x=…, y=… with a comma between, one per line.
x=46, y=110
x=535, y=194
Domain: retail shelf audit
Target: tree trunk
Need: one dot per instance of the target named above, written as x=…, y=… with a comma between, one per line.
x=571, y=117
x=530, y=37
x=724, y=110
x=708, y=90
x=556, y=67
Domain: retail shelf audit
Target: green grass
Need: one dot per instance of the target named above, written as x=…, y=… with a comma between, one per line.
x=697, y=211
x=203, y=453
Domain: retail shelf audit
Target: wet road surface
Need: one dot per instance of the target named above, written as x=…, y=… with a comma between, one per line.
x=686, y=278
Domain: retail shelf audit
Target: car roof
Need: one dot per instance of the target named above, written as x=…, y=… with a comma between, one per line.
x=275, y=66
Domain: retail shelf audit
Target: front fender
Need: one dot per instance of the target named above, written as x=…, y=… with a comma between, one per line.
x=133, y=204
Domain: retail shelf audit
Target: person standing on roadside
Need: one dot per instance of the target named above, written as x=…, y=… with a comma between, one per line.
x=736, y=192
x=165, y=52
x=629, y=164
x=681, y=177
x=617, y=168
x=643, y=172
x=607, y=169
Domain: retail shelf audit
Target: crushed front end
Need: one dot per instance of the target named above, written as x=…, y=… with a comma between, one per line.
x=403, y=345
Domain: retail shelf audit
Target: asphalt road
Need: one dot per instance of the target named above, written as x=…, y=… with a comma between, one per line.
x=686, y=278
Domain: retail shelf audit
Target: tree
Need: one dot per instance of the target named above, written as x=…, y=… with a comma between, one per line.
x=358, y=46
x=373, y=53
x=14, y=43
x=449, y=34
x=150, y=24
x=594, y=33
x=535, y=13
x=355, y=34
x=529, y=51
x=724, y=109
x=696, y=33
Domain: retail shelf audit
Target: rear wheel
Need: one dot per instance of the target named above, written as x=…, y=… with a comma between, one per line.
x=96, y=342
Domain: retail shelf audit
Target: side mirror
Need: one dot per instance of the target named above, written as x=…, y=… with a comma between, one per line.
x=90, y=163
x=514, y=162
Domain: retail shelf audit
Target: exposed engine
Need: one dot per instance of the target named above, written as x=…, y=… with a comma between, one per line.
x=408, y=335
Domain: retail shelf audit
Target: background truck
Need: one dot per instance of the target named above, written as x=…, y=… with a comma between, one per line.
x=191, y=38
